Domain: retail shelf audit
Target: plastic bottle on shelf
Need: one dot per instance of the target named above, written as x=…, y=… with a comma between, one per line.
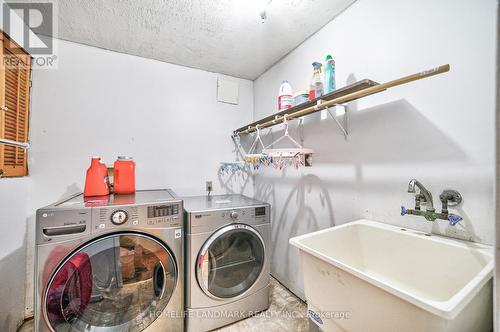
x=316, y=88
x=285, y=96
x=96, y=181
x=329, y=74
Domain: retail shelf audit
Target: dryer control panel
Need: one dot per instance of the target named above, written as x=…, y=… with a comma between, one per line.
x=201, y=222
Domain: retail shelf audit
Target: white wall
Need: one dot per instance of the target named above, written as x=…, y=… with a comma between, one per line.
x=439, y=130
x=14, y=195
x=497, y=186
x=13, y=207
x=104, y=103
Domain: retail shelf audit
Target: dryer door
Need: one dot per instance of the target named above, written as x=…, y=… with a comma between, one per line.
x=230, y=261
x=120, y=282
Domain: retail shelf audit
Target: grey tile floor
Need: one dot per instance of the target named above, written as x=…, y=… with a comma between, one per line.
x=286, y=313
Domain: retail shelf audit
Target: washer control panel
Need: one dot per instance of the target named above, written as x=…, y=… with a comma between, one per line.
x=165, y=214
x=161, y=215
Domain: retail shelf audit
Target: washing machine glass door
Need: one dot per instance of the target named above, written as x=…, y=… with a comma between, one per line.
x=230, y=261
x=120, y=282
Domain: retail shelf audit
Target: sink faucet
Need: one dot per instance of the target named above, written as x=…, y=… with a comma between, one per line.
x=425, y=195
x=448, y=196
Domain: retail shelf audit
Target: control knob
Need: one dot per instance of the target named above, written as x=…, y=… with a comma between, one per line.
x=233, y=215
x=119, y=217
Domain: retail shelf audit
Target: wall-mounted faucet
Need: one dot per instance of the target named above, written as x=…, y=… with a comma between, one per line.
x=448, y=197
x=424, y=195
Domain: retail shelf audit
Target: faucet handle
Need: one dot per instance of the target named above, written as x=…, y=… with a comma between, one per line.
x=454, y=219
x=403, y=210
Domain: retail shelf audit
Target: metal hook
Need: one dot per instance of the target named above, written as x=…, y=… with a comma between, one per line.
x=285, y=122
x=300, y=129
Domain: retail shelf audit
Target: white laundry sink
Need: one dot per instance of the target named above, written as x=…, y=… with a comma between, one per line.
x=370, y=276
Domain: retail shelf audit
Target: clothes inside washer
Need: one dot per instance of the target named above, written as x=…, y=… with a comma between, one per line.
x=103, y=287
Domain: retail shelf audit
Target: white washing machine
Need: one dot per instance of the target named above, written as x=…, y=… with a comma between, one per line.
x=110, y=264
x=227, y=259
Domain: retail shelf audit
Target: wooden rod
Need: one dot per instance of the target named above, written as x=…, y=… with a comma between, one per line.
x=349, y=97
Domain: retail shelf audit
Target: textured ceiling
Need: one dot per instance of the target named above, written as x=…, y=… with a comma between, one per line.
x=224, y=36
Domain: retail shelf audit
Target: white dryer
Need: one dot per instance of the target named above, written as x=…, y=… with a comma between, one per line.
x=110, y=264
x=227, y=259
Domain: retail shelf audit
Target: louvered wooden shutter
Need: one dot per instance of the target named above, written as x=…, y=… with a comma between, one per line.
x=14, y=107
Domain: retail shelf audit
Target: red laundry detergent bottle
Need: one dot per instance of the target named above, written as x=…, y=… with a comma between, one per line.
x=124, y=175
x=96, y=182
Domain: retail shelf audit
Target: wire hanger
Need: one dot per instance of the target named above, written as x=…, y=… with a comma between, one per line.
x=286, y=135
x=282, y=157
x=237, y=141
x=257, y=140
x=256, y=159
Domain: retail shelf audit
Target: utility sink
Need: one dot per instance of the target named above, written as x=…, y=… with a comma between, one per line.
x=370, y=276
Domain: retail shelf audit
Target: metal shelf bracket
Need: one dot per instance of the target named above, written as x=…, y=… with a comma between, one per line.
x=345, y=117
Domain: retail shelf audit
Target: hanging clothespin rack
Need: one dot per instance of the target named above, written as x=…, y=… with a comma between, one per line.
x=281, y=157
x=237, y=166
x=232, y=167
x=253, y=158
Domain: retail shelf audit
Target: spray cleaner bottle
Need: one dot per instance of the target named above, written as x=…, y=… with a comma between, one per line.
x=316, y=89
x=329, y=74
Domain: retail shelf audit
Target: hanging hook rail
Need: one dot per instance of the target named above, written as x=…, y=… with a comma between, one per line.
x=347, y=98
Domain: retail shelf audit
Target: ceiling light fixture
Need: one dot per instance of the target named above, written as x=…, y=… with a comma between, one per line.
x=263, y=9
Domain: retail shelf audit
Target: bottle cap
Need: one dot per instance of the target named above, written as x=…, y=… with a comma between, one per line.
x=317, y=65
x=328, y=58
